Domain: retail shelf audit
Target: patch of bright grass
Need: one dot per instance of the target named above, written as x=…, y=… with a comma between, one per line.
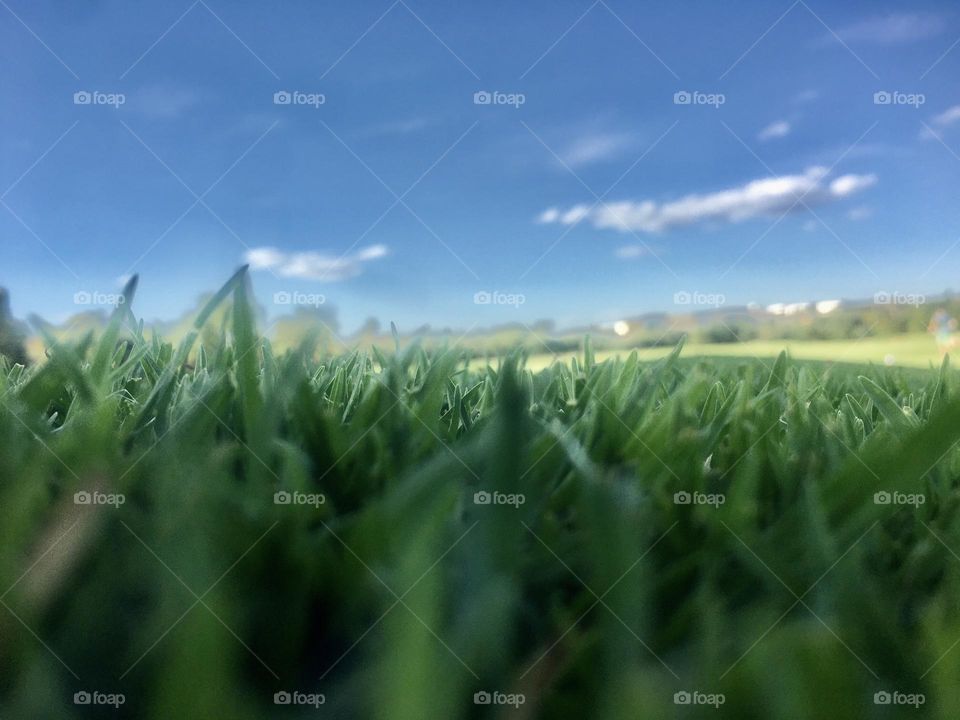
x=917, y=350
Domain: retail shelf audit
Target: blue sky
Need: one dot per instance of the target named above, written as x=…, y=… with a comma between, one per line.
x=627, y=153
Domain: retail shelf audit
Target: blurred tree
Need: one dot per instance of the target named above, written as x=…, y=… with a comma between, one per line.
x=319, y=322
x=726, y=334
x=371, y=328
x=11, y=332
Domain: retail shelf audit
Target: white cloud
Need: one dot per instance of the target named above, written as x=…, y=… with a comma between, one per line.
x=860, y=213
x=569, y=217
x=373, y=252
x=263, y=258
x=596, y=148
x=778, y=129
x=550, y=215
x=768, y=196
x=849, y=184
x=312, y=265
x=892, y=29
x=575, y=214
x=631, y=252
x=806, y=96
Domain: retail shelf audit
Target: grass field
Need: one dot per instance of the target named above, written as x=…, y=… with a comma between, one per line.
x=913, y=350
x=216, y=531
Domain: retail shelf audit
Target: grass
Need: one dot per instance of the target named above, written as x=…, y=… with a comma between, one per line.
x=379, y=579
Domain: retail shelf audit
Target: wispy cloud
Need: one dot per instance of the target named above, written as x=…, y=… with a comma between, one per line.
x=778, y=129
x=892, y=29
x=948, y=117
x=405, y=126
x=567, y=217
x=631, y=252
x=313, y=265
x=597, y=147
x=945, y=119
x=165, y=101
x=768, y=196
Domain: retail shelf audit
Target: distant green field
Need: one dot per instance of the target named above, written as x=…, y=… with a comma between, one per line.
x=916, y=350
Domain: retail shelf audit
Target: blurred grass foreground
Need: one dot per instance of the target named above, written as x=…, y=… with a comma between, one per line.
x=215, y=530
